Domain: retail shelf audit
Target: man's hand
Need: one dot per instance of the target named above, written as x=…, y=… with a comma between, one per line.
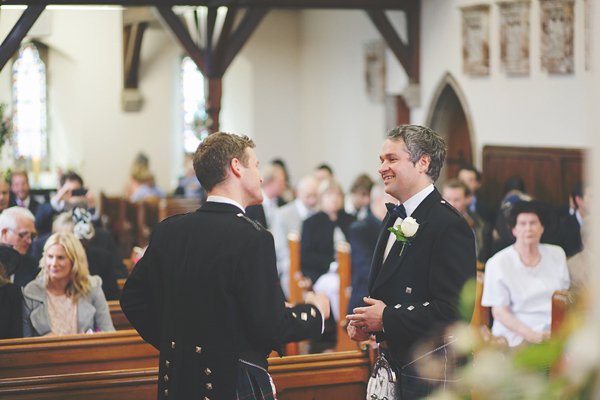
x=369, y=318
x=319, y=300
x=357, y=334
x=64, y=193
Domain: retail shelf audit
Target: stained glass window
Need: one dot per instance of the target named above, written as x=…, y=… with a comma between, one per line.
x=29, y=103
x=194, y=113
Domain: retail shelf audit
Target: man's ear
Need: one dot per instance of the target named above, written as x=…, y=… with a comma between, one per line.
x=3, y=232
x=235, y=166
x=424, y=162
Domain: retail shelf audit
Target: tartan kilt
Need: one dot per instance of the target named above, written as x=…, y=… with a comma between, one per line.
x=254, y=382
x=434, y=369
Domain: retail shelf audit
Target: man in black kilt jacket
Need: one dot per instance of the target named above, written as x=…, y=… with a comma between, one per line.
x=206, y=291
x=414, y=286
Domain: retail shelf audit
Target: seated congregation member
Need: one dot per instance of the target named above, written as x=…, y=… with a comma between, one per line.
x=320, y=235
x=520, y=280
x=323, y=172
x=363, y=239
x=569, y=234
x=288, y=194
x=289, y=218
x=273, y=185
x=357, y=204
x=70, y=192
x=100, y=261
x=17, y=230
x=188, y=185
x=19, y=186
x=4, y=194
x=147, y=188
x=471, y=177
x=458, y=195
x=64, y=298
x=11, y=298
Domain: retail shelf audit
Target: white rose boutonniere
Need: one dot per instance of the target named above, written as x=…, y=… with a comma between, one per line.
x=406, y=230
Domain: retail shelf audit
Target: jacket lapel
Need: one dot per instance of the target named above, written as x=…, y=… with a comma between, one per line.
x=377, y=261
x=394, y=258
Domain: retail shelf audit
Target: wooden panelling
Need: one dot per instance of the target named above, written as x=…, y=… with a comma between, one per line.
x=549, y=173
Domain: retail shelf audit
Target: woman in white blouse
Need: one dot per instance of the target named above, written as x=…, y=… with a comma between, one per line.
x=64, y=299
x=520, y=280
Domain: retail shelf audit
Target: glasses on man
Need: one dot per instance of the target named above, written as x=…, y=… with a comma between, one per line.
x=26, y=234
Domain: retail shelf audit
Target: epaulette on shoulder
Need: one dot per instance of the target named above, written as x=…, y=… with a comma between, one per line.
x=255, y=224
x=451, y=207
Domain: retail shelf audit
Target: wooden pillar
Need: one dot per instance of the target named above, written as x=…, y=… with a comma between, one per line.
x=213, y=89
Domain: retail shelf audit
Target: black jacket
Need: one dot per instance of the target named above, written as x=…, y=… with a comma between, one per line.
x=205, y=294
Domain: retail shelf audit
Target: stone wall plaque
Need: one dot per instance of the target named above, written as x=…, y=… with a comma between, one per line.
x=514, y=36
x=476, y=39
x=375, y=70
x=557, y=19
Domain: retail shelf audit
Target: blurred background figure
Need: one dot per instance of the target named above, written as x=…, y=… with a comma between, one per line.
x=357, y=203
x=288, y=218
x=17, y=230
x=320, y=235
x=288, y=194
x=64, y=299
x=458, y=195
x=569, y=234
x=521, y=279
x=273, y=185
x=140, y=165
x=363, y=239
x=188, y=185
x=323, y=172
x=11, y=299
x=19, y=186
x=147, y=188
x=4, y=195
x=471, y=177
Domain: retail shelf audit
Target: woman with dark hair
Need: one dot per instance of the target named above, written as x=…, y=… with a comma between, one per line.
x=520, y=280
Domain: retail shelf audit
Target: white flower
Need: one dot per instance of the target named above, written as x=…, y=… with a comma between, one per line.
x=409, y=227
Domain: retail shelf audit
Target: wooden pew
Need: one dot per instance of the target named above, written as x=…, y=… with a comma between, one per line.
x=118, y=219
x=177, y=205
x=53, y=355
x=147, y=219
x=119, y=319
x=319, y=376
x=562, y=301
x=344, y=258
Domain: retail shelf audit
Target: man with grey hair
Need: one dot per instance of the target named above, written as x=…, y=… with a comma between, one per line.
x=419, y=268
x=17, y=230
x=273, y=186
x=290, y=218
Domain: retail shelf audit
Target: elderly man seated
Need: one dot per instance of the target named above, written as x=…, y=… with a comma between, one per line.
x=17, y=230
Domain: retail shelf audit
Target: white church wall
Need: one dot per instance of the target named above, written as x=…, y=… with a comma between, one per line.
x=535, y=110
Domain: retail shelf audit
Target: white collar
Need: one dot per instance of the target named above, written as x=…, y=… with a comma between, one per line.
x=411, y=204
x=303, y=211
x=579, y=218
x=226, y=200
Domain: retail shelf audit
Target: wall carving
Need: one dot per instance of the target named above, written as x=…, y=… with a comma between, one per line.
x=514, y=36
x=557, y=19
x=476, y=39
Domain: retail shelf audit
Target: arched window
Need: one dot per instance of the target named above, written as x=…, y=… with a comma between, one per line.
x=29, y=104
x=194, y=114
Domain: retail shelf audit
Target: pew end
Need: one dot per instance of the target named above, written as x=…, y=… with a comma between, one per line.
x=344, y=258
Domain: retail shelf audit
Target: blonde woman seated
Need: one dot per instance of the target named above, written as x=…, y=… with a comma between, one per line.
x=521, y=279
x=64, y=299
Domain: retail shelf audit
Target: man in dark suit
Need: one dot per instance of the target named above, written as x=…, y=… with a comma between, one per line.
x=415, y=285
x=70, y=193
x=19, y=186
x=206, y=294
x=568, y=235
x=17, y=230
x=363, y=239
x=471, y=177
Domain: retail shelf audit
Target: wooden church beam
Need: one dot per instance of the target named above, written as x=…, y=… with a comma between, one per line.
x=168, y=17
x=19, y=31
x=405, y=53
x=251, y=20
x=132, y=45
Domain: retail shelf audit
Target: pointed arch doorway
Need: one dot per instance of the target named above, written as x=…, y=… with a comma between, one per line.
x=449, y=116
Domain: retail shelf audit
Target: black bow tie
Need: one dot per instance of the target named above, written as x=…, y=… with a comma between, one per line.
x=397, y=211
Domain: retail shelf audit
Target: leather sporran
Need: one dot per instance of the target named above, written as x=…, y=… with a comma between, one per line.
x=382, y=383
